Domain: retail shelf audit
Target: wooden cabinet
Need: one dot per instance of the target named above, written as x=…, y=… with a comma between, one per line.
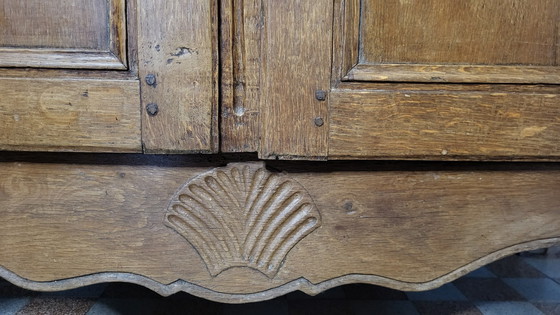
x=415, y=96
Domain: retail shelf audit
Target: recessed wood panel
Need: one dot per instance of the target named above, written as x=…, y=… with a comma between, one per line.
x=63, y=34
x=482, y=32
x=54, y=24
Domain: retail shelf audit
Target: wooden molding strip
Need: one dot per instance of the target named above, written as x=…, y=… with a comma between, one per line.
x=301, y=284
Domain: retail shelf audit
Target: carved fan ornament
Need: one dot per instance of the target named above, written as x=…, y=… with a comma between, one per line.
x=242, y=215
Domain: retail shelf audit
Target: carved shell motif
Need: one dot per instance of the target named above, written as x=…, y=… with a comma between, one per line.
x=242, y=215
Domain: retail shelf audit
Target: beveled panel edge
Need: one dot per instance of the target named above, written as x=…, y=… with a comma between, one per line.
x=300, y=284
x=460, y=73
x=56, y=58
x=118, y=30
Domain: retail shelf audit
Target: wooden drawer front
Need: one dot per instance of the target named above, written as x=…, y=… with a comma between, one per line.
x=242, y=233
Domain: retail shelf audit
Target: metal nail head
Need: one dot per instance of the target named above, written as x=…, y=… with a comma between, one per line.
x=152, y=109
x=321, y=95
x=150, y=79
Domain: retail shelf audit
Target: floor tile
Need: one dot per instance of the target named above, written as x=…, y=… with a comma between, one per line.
x=90, y=291
x=9, y=306
x=9, y=290
x=550, y=267
x=509, y=308
x=543, y=289
x=323, y=307
x=361, y=291
x=56, y=306
x=447, y=292
x=535, y=252
x=112, y=306
x=553, y=252
x=514, y=267
x=395, y=307
x=446, y=307
x=128, y=290
x=481, y=272
x=334, y=293
x=486, y=289
x=274, y=307
x=548, y=308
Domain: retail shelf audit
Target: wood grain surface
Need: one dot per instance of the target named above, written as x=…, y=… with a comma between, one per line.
x=346, y=38
x=483, y=32
x=453, y=73
x=177, y=47
x=445, y=122
x=407, y=226
x=241, y=72
x=68, y=34
x=70, y=115
x=296, y=63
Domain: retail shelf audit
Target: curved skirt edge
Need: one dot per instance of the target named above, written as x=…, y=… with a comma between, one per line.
x=300, y=284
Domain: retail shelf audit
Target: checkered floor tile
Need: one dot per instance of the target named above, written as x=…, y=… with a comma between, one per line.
x=521, y=284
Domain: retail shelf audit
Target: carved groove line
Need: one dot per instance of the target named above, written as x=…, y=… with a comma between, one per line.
x=301, y=284
x=242, y=216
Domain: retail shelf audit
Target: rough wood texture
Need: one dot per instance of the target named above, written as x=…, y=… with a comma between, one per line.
x=483, y=32
x=438, y=221
x=177, y=48
x=69, y=115
x=434, y=122
x=241, y=44
x=296, y=62
x=71, y=34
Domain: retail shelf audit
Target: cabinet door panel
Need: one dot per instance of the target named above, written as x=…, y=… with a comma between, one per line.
x=510, y=41
x=63, y=34
x=81, y=75
x=482, y=32
x=381, y=44
x=88, y=99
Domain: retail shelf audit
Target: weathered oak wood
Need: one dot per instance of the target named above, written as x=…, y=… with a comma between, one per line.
x=69, y=115
x=453, y=73
x=241, y=71
x=482, y=32
x=431, y=122
x=296, y=63
x=68, y=34
x=481, y=41
x=346, y=38
x=177, y=53
x=438, y=221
